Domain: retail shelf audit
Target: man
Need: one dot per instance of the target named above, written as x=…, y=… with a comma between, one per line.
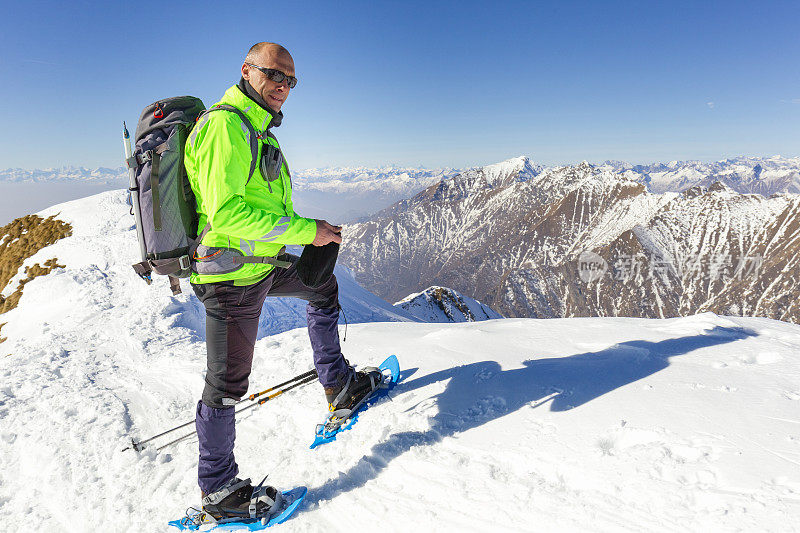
x=252, y=217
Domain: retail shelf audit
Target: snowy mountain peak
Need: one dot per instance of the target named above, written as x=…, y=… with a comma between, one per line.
x=441, y=304
x=517, y=168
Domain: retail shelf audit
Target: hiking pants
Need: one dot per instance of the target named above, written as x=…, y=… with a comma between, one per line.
x=232, y=314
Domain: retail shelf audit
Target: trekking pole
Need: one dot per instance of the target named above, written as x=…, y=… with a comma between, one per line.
x=296, y=378
x=254, y=404
x=133, y=190
x=306, y=377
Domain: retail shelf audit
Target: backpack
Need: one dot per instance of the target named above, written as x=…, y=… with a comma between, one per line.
x=160, y=195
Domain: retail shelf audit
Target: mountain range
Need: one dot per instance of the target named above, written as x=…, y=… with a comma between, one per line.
x=759, y=175
x=584, y=240
x=348, y=194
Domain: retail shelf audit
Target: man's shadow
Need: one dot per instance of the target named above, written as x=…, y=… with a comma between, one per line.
x=480, y=392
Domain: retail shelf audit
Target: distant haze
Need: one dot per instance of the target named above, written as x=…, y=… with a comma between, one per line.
x=345, y=195
x=22, y=198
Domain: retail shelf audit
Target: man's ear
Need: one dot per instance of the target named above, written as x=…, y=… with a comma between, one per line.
x=246, y=71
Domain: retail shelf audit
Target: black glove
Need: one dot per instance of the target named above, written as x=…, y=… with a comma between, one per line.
x=315, y=265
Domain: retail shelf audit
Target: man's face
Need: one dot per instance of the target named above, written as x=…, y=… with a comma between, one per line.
x=274, y=94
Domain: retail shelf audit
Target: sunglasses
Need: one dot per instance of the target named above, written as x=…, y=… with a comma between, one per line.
x=276, y=75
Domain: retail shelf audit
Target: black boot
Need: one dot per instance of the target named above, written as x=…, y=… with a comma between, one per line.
x=237, y=500
x=359, y=386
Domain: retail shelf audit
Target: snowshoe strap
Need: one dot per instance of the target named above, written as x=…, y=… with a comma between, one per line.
x=260, y=495
x=195, y=518
x=216, y=497
x=341, y=395
x=371, y=371
x=341, y=414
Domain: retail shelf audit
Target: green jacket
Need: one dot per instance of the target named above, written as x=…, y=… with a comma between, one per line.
x=254, y=218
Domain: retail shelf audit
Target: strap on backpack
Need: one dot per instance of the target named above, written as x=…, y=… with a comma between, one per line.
x=156, y=195
x=253, y=137
x=145, y=268
x=174, y=285
x=176, y=264
x=274, y=261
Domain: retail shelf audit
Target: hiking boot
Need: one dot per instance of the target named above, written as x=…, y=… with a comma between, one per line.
x=360, y=385
x=237, y=499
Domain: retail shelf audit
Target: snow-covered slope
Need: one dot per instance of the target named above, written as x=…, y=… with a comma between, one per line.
x=601, y=424
x=103, y=247
x=440, y=304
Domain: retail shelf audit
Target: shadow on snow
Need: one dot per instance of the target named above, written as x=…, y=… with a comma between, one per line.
x=480, y=392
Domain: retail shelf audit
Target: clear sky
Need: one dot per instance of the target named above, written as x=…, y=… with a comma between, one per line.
x=416, y=83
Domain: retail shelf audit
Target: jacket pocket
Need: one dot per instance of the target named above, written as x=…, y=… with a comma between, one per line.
x=216, y=260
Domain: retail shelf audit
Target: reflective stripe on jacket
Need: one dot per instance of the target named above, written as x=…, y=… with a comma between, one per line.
x=255, y=217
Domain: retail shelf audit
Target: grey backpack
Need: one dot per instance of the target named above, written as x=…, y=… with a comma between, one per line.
x=160, y=195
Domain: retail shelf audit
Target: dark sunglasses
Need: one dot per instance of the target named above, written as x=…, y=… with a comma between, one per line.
x=276, y=75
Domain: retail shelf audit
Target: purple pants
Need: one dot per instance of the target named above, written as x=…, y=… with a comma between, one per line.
x=232, y=315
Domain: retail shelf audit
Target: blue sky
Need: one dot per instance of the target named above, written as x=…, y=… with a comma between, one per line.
x=416, y=83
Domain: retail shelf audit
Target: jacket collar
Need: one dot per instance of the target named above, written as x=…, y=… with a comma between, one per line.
x=261, y=117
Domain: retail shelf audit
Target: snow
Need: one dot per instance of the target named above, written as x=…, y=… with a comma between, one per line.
x=601, y=424
x=762, y=175
x=441, y=304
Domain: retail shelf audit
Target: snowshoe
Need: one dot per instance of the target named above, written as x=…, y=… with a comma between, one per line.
x=359, y=386
x=360, y=391
x=290, y=501
x=239, y=499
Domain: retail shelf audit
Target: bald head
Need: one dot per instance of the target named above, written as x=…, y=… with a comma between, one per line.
x=265, y=50
x=268, y=56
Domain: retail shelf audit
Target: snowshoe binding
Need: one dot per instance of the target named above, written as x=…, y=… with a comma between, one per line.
x=239, y=506
x=360, y=385
x=361, y=390
x=239, y=499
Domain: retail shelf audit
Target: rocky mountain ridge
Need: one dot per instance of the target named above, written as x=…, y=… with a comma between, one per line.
x=441, y=304
x=512, y=236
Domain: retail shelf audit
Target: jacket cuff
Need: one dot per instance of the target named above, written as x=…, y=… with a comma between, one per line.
x=306, y=230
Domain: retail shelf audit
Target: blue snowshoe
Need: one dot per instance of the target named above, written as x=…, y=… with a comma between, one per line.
x=361, y=390
x=239, y=505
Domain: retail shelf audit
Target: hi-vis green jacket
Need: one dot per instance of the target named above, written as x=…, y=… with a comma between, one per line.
x=251, y=218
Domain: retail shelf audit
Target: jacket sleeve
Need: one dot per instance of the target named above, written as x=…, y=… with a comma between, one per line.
x=222, y=156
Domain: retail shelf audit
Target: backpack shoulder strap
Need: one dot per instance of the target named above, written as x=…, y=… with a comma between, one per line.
x=253, y=159
x=251, y=130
